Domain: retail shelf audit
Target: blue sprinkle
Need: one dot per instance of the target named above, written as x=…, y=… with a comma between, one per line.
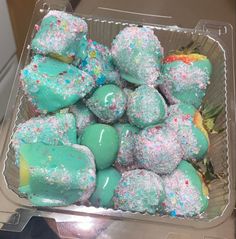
x=101, y=80
x=173, y=213
x=84, y=63
x=67, y=81
x=118, y=113
x=26, y=72
x=132, y=45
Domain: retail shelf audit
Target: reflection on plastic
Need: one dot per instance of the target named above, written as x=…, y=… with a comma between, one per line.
x=86, y=224
x=81, y=227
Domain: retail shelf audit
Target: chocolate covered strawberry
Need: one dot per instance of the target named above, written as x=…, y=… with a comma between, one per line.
x=193, y=128
x=187, y=122
x=185, y=76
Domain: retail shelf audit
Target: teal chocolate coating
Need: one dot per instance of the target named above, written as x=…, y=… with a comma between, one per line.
x=59, y=175
x=81, y=49
x=127, y=135
x=108, y=103
x=106, y=183
x=103, y=141
x=128, y=92
x=52, y=85
x=184, y=192
x=184, y=82
x=137, y=53
x=60, y=34
x=83, y=116
x=58, y=129
x=124, y=118
x=146, y=107
x=191, y=173
x=139, y=191
x=157, y=149
x=181, y=109
x=98, y=64
x=193, y=141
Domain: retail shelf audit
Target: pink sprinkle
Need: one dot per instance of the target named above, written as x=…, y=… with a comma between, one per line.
x=112, y=107
x=38, y=130
x=36, y=27
x=188, y=116
x=157, y=127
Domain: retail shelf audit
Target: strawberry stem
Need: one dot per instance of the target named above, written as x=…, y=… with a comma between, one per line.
x=206, y=169
x=210, y=114
x=190, y=48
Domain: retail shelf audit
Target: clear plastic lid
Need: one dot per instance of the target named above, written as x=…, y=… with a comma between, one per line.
x=215, y=40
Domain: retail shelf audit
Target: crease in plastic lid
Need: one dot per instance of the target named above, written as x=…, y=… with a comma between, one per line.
x=134, y=13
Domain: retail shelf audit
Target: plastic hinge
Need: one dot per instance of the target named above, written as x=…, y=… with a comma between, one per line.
x=215, y=27
x=17, y=220
x=46, y=5
x=9, y=217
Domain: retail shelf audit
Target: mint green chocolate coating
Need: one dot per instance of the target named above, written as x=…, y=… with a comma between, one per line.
x=146, y=107
x=182, y=108
x=157, y=149
x=190, y=173
x=103, y=141
x=196, y=145
x=124, y=129
x=124, y=118
x=58, y=129
x=98, y=64
x=186, y=83
x=83, y=116
x=60, y=33
x=52, y=85
x=184, y=192
x=108, y=103
x=106, y=183
x=137, y=53
x=127, y=134
x=193, y=141
x=139, y=191
x=82, y=49
x=59, y=175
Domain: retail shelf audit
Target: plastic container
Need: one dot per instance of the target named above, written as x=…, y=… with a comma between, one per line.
x=215, y=40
